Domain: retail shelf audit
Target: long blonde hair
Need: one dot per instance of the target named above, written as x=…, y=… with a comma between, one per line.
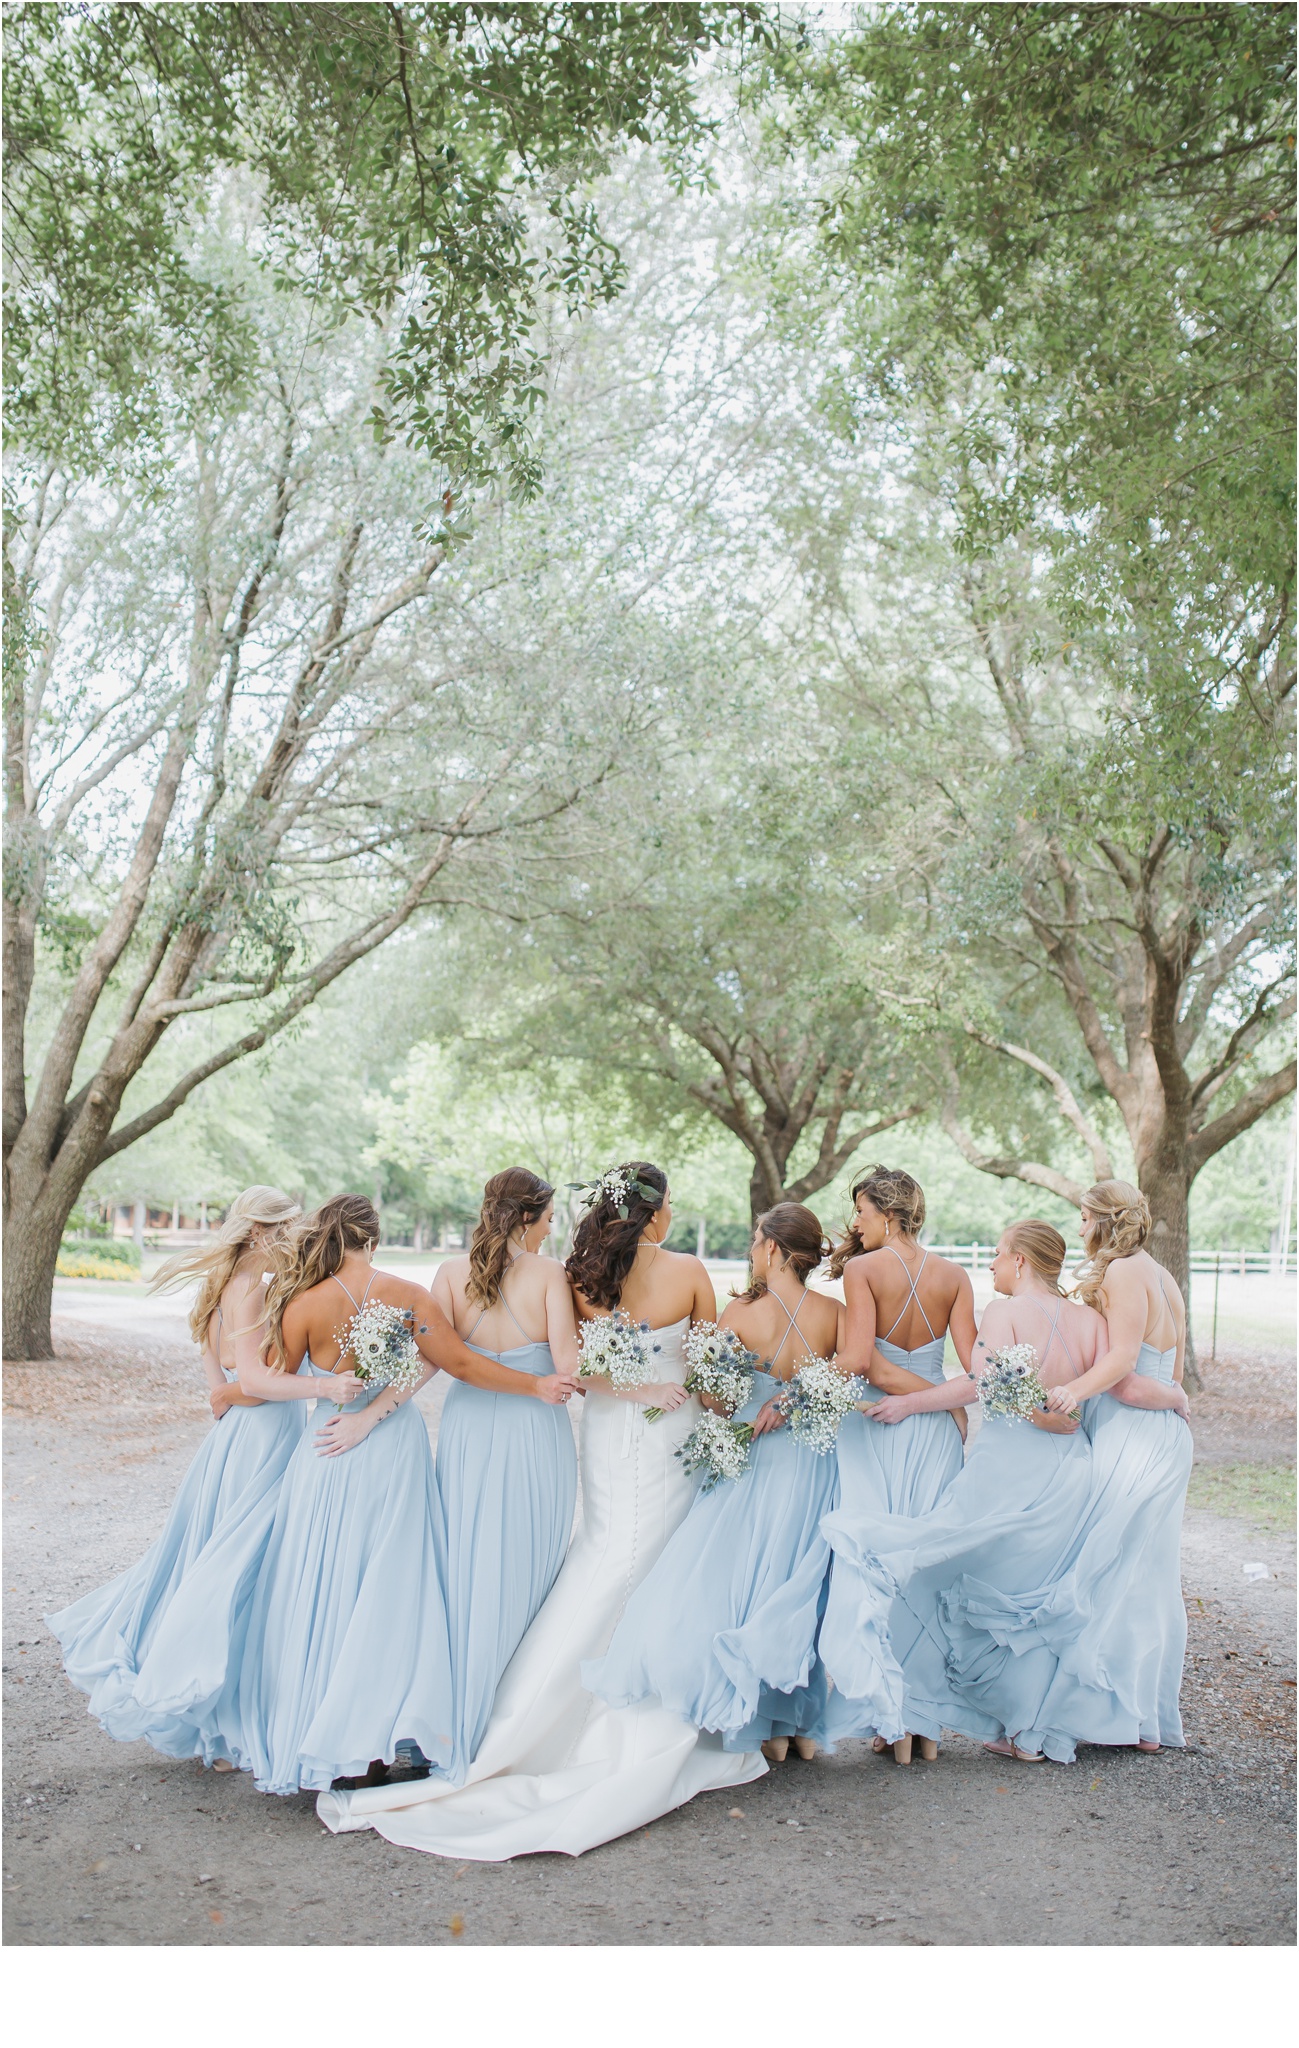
x=1120, y=1226
x=213, y=1263
x=313, y=1252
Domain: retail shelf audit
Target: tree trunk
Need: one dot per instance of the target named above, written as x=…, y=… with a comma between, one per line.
x=1163, y=1180
x=32, y=1233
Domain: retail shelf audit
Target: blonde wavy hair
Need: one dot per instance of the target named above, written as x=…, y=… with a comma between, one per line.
x=213, y=1263
x=310, y=1253
x=1120, y=1226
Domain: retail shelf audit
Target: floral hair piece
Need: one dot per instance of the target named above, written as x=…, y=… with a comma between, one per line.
x=618, y=1185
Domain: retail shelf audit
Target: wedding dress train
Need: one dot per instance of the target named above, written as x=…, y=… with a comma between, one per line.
x=558, y=1769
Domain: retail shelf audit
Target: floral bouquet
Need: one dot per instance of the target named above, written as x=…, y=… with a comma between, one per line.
x=818, y=1398
x=616, y=1349
x=381, y=1341
x=1009, y=1387
x=717, y=1448
x=719, y=1365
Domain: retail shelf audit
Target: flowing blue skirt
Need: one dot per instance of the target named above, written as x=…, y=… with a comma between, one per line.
x=723, y=1630
x=943, y=1631
x=1116, y=1622
x=347, y=1653
x=507, y=1480
x=158, y=1649
x=886, y=1470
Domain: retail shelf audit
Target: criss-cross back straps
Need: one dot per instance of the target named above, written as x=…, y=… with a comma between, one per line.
x=358, y=1305
x=501, y=1297
x=912, y=1295
x=1054, y=1332
x=791, y=1323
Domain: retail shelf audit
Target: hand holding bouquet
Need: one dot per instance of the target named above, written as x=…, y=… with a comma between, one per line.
x=719, y=1365
x=1009, y=1387
x=816, y=1401
x=616, y=1349
x=381, y=1341
x=717, y=1448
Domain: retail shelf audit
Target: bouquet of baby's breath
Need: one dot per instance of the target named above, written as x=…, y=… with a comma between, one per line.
x=1009, y=1387
x=816, y=1401
x=719, y=1365
x=381, y=1341
x=717, y=1448
x=616, y=1349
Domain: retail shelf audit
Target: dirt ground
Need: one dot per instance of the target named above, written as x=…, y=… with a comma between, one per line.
x=109, y=1844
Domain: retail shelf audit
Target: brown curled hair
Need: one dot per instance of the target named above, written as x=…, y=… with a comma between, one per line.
x=896, y=1195
x=1041, y=1244
x=312, y=1251
x=795, y=1231
x=509, y=1199
x=1120, y=1226
x=604, y=1243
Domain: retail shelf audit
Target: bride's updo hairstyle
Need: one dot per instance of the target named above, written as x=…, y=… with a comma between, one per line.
x=1120, y=1226
x=1041, y=1245
x=604, y=1243
x=513, y=1200
x=797, y=1233
x=896, y=1196
x=312, y=1251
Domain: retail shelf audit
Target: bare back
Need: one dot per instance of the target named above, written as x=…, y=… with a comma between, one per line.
x=1067, y=1336
x=314, y=1319
x=535, y=1306
x=782, y=1335
x=916, y=1297
x=661, y=1289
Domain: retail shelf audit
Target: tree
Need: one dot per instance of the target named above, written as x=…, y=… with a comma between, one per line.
x=422, y=165
x=242, y=756
x=1052, y=246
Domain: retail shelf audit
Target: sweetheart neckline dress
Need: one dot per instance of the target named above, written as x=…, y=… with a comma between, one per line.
x=558, y=1769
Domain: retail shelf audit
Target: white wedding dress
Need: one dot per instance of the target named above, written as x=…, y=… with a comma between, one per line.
x=558, y=1769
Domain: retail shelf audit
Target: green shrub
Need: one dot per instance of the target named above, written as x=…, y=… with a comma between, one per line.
x=121, y=1249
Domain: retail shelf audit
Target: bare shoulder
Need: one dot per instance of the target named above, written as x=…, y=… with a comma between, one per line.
x=955, y=1275
x=685, y=1262
x=857, y=1272
x=998, y=1318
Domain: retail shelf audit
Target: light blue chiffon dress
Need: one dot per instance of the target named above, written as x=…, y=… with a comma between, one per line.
x=723, y=1630
x=1116, y=1622
x=885, y=1469
x=507, y=1481
x=158, y=1649
x=948, y=1601
x=347, y=1654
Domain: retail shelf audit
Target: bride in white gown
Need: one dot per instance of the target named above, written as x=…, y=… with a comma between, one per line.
x=558, y=1769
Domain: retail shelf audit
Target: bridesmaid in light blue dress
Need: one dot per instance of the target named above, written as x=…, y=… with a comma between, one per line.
x=1119, y=1627
x=903, y=1449
x=506, y=1460
x=723, y=1630
x=158, y=1649
x=347, y=1657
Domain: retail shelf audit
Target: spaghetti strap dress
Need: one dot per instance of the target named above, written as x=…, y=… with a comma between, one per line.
x=347, y=1655
x=945, y=1638
x=157, y=1650
x=723, y=1631
x=899, y=1469
x=507, y=1485
x=1116, y=1623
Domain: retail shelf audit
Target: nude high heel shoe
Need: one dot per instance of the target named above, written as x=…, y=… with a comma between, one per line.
x=777, y=1749
x=902, y=1750
x=805, y=1747
x=928, y=1749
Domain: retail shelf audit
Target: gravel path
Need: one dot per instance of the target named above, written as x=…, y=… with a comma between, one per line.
x=108, y=1844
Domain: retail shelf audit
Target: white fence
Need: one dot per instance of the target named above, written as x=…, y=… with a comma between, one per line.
x=975, y=1257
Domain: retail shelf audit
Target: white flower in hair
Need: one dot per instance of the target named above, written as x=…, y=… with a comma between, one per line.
x=618, y=1186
